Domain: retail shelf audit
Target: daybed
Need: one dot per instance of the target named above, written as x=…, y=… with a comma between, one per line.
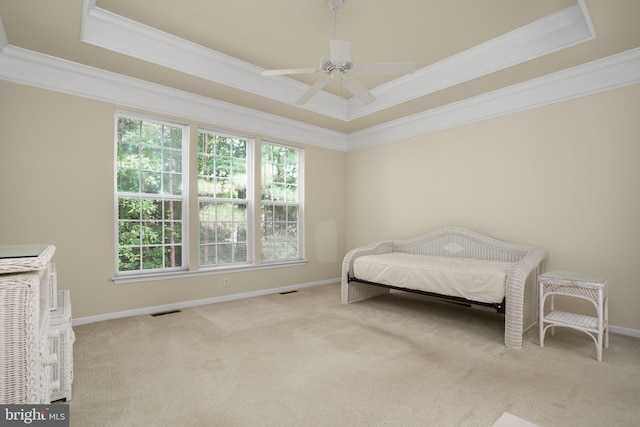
x=455, y=264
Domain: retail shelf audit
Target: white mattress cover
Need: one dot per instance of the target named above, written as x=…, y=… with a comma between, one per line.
x=473, y=279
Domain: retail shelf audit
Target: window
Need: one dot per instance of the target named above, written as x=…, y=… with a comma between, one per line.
x=281, y=208
x=150, y=194
x=223, y=201
x=153, y=200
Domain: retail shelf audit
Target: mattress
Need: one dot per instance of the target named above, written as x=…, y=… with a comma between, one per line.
x=475, y=280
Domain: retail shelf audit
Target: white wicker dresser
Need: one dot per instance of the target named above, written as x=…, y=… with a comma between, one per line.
x=36, y=356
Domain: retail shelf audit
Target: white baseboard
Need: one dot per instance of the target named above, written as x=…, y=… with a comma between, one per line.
x=624, y=331
x=194, y=303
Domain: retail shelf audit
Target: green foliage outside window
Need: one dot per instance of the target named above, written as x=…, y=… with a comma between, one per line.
x=149, y=186
x=151, y=200
x=280, y=202
x=223, y=204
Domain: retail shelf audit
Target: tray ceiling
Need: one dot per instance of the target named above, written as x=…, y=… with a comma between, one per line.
x=217, y=49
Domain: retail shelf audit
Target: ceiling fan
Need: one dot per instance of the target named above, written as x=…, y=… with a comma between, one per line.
x=337, y=63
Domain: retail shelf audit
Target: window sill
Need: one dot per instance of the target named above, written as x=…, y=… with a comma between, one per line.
x=133, y=278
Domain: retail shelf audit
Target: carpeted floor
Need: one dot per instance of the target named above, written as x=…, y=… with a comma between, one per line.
x=305, y=359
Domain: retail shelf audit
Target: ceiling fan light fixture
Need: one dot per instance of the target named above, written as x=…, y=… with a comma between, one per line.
x=338, y=62
x=339, y=51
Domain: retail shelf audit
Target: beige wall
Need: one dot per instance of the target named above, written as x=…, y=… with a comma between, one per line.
x=564, y=176
x=56, y=186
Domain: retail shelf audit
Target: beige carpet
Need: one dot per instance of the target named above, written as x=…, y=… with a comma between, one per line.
x=305, y=359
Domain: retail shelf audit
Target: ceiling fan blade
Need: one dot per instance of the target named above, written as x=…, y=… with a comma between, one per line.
x=385, y=68
x=317, y=86
x=339, y=51
x=287, y=71
x=358, y=90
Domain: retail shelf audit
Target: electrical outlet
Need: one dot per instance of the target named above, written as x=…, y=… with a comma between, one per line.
x=225, y=282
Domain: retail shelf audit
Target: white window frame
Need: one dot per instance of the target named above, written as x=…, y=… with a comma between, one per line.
x=249, y=200
x=300, y=205
x=190, y=263
x=183, y=198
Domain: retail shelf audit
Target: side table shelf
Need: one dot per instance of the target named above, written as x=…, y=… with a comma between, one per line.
x=591, y=288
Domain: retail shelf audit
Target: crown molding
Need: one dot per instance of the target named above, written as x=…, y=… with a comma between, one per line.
x=555, y=32
x=119, y=34
x=47, y=72
x=35, y=69
x=612, y=72
x=122, y=35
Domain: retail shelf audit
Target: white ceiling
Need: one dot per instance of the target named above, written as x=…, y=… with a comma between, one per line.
x=466, y=52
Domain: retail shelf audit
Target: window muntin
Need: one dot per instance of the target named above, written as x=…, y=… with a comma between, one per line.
x=281, y=218
x=149, y=190
x=153, y=198
x=223, y=199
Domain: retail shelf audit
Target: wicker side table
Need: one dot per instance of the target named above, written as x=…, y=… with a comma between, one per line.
x=590, y=288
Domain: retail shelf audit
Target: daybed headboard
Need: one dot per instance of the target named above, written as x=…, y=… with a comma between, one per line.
x=462, y=243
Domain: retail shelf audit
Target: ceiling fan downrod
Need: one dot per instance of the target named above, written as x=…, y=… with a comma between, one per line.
x=335, y=6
